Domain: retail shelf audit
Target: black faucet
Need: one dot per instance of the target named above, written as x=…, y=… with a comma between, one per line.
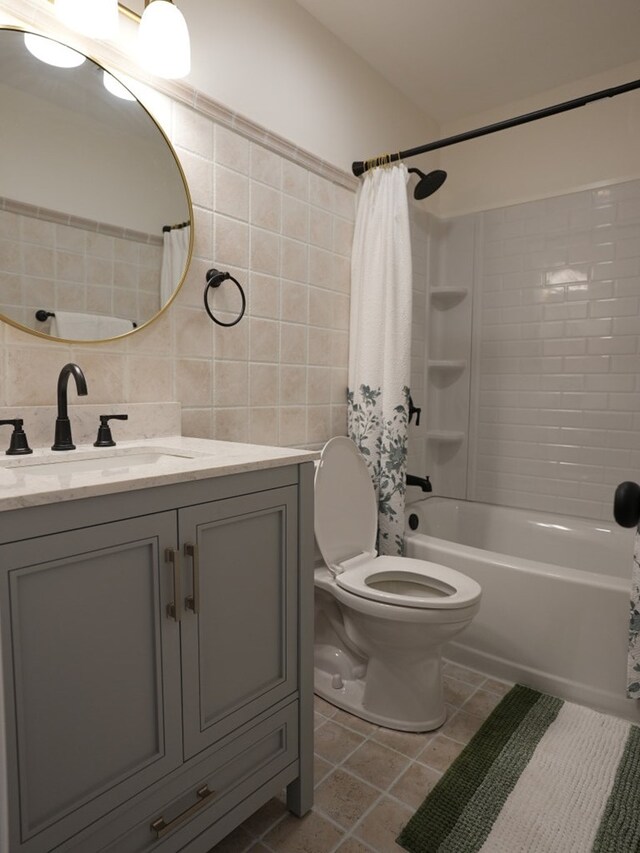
x=423, y=482
x=63, y=439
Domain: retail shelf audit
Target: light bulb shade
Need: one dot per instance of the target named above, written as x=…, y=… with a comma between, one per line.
x=116, y=87
x=52, y=52
x=163, y=40
x=94, y=18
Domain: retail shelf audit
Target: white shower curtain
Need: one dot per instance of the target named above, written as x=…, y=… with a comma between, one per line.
x=175, y=250
x=380, y=342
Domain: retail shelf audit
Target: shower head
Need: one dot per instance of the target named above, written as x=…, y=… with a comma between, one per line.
x=428, y=184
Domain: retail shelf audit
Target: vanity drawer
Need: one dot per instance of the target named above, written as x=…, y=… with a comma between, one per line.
x=215, y=785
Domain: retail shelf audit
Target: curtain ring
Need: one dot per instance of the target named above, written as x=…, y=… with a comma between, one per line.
x=214, y=278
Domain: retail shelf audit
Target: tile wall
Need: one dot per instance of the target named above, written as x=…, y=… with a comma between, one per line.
x=279, y=376
x=556, y=405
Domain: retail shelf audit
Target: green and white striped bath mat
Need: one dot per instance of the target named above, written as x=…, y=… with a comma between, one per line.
x=540, y=776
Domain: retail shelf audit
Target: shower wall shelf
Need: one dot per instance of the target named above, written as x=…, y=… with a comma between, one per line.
x=446, y=297
x=445, y=436
x=447, y=364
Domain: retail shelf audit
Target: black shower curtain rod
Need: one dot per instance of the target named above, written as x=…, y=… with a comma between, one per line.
x=359, y=167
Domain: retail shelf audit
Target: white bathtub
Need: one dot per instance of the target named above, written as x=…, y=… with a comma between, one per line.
x=555, y=600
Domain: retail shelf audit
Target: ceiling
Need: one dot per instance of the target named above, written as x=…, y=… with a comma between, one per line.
x=454, y=58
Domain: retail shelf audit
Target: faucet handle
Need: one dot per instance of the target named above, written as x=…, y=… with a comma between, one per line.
x=105, y=439
x=19, y=446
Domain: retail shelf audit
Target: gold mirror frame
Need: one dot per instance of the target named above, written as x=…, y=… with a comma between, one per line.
x=178, y=287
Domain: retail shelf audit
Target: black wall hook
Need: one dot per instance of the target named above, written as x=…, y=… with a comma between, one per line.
x=214, y=278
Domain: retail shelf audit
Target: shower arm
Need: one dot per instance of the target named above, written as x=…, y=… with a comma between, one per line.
x=359, y=167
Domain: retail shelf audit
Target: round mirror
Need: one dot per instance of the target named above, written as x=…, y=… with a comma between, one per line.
x=95, y=212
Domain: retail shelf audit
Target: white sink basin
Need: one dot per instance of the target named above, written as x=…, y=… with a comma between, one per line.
x=103, y=461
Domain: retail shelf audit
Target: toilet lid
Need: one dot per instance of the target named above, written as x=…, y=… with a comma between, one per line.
x=407, y=582
x=346, y=516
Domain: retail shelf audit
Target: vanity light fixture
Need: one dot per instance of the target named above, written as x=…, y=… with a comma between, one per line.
x=163, y=40
x=52, y=52
x=94, y=18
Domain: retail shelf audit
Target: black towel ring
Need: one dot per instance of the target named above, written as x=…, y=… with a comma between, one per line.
x=215, y=278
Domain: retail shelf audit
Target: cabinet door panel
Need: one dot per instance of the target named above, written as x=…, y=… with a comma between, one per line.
x=239, y=651
x=96, y=671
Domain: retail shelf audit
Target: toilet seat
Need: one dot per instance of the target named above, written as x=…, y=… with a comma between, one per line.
x=426, y=585
x=346, y=520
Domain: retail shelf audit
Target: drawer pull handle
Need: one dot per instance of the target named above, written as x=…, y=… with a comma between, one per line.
x=174, y=610
x=161, y=828
x=192, y=602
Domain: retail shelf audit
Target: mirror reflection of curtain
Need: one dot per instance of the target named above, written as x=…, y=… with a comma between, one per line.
x=175, y=253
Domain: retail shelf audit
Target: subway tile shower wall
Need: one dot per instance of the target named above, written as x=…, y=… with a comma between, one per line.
x=555, y=419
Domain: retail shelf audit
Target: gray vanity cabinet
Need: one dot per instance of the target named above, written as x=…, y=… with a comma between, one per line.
x=152, y=664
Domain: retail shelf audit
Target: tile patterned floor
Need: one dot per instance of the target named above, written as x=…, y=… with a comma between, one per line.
x=369, y=780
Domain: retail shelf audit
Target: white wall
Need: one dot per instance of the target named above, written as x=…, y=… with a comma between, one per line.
x=274, y=63
x=585, y=148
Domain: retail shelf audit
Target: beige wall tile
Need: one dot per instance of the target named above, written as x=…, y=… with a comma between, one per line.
x=295, y=218
x=231, y=383
x=266, y=166
x=197, y=423
x=263, y=384
x=265, y=207
x=263, y=426
x=293, y=385
x=231, y=150
x=194, y=382
x=193, y=131
x=318, y=385
x=149, y=379
x=264, y=296
x=263, y=336
x=231, y=424
x=265, y=252
x=293, y=343
x=295, y=180
x=294, y=302
x=231, y=242
x=231, y=193
x=320, y=228
x=292, y=429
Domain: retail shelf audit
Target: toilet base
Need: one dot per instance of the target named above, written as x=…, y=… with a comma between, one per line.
x=349, y=698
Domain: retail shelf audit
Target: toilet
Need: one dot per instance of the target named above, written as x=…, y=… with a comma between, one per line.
x=380, y=622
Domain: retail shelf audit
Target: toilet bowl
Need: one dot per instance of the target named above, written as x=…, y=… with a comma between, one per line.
x=380, y=622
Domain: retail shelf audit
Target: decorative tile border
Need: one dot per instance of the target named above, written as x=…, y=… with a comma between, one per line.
x=46, y=214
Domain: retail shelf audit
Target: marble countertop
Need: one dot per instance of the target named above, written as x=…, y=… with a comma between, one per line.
x=43, y=477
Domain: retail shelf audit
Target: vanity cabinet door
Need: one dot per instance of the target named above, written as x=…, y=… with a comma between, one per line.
x=239, y=647
x=91, y=674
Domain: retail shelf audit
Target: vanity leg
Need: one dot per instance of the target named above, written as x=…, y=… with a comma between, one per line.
x=300, y=791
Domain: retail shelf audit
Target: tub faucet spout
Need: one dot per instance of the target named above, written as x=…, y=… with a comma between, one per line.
x=63, y=440
x=423, y=482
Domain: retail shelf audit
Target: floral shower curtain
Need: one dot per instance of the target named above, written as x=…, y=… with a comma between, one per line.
x=633, y=660
x=380, y=343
